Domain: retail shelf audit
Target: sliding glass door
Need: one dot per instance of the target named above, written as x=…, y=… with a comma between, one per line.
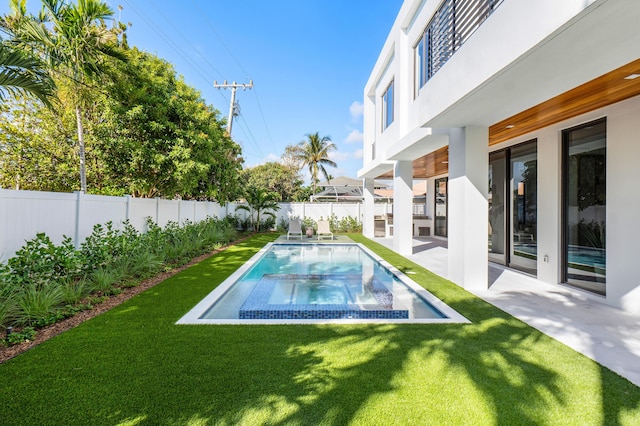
x=497, y=192
x=524, y=206
x=441, y=207
x=513, y=207
x=585, y=202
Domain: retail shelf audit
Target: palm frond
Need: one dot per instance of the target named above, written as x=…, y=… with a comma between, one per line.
x=22, y=73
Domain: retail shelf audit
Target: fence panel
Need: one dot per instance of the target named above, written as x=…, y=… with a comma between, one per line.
x=342, y=210
x=168, y=211
x=98, y=209
x=23, y=214
x=140, y=209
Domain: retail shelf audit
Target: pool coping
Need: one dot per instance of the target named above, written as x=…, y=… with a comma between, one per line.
x=193, y=316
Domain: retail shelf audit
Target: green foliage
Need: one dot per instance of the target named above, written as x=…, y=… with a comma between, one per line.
x=24, y=73
x=347, y=224
x=314, y=154
x=40, y=263
x=285, y=181
x=493, y=371
x=27, y=333
x=145, y=133
x=44, y=282
x=259, y=201
x=157, y=137
x=37, y=304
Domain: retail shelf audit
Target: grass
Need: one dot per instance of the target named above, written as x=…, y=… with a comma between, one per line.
x=133, y=366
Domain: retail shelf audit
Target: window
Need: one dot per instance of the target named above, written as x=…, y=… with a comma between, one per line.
x=387, y=106
x=451, y=25
x=585, y=206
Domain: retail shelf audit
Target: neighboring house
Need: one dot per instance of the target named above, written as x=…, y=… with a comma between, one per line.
x=524, y=118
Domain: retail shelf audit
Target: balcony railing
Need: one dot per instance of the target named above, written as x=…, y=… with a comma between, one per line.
x=450, y=27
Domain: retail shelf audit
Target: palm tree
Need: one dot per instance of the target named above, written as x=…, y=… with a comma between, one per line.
x=75, y=40
x=314, y=153
x=259, y=201
x=22, y=73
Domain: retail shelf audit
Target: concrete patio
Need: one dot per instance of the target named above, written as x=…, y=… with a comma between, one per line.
x=581, y=321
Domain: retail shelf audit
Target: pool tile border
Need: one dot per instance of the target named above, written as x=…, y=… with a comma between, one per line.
x=195, y=314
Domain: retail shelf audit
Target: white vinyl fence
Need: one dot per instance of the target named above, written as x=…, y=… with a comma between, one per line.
x=23, y=214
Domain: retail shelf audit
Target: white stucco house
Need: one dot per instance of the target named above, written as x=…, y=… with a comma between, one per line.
x=524, y=118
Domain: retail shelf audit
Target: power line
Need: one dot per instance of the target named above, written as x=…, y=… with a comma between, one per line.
x=176, y=49
x=212, y=28
x=204, y=15
x=185, y=39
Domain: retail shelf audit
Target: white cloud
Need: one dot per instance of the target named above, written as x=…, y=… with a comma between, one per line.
x=357, y=110
x=355, y=136
x=338, y=156
x=358, y=154
x=270, y=158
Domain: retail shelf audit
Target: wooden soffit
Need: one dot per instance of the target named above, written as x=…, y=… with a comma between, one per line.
x=433, y=164
x=608, y=89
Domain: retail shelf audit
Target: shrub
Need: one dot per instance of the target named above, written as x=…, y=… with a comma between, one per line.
x=27, y=333
x=44, y=283
x=37, y=304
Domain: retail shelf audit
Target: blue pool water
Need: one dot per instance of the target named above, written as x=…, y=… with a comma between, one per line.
x=319, y=282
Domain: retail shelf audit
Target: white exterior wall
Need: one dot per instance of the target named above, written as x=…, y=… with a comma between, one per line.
x=525, y=53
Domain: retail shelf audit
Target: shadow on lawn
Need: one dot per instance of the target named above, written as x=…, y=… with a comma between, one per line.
x=134, y=366
x=478, y=374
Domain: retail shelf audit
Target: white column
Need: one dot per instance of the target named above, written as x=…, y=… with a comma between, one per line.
x=368, y=224
x=468, y=207
x=549, y=206
x=403, y=208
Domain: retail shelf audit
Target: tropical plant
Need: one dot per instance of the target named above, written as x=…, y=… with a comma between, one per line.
x=259, y=201
x=314, y=154
x=283, y=180
x=22, y=73
x=75, y=40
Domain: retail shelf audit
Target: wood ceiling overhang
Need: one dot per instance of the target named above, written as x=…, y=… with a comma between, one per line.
x=608, y=89
x=615, y=86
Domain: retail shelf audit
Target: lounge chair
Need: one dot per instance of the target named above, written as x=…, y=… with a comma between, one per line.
x=295, y=229
x=324, y=229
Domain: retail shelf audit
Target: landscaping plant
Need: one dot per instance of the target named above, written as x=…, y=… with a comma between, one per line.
x=44, y=282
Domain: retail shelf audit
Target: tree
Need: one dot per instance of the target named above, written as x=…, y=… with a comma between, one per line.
x=75, y=40
x=36, y=148
x=275, y=177
x=259, y=201
x=157, y=135
x=22, y=73
x=314, y=154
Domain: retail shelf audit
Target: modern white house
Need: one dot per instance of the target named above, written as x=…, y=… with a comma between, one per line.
x=524, y=118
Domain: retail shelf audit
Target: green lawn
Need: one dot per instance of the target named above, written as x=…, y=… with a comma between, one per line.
x=133, y=366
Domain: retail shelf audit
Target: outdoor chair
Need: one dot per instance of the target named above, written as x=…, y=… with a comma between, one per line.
x=295, y=229
x=324, y=229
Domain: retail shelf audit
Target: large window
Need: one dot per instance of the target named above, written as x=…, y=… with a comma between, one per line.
x=451, y=25
x=585, y=206
x=387, y=106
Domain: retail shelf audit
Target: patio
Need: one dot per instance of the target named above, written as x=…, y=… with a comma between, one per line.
x=573, y=317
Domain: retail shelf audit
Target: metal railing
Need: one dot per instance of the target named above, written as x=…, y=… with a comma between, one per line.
x=451, y=25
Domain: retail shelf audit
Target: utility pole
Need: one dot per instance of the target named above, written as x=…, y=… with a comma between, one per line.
x=233, y=107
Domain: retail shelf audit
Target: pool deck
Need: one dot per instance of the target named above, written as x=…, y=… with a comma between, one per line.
x=581, y=321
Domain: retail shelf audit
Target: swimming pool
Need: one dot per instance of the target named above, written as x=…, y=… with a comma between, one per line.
x=316, y=283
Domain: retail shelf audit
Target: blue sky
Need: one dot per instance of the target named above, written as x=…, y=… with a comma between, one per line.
x=309, y=61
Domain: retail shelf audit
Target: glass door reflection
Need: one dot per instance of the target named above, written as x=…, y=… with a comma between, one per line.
x=497, y=180
x=440, y=224
x=524, y=207
x=585, y=202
